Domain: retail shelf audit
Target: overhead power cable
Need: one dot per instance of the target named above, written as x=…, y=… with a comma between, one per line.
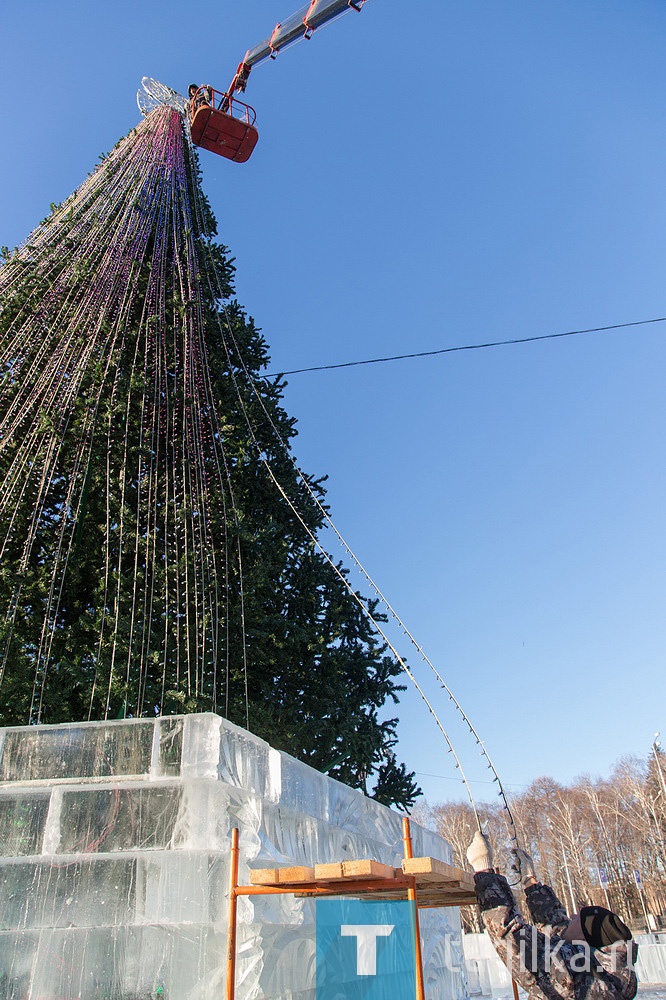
x=472, y=781
x=467, y=347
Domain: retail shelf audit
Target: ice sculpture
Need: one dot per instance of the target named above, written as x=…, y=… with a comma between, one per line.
x=114, y=839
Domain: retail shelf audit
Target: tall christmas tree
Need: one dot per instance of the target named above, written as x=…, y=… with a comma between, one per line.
x=156, y=540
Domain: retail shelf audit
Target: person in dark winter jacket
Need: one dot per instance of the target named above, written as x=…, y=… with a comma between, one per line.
x=589, y=956
x=199, y=97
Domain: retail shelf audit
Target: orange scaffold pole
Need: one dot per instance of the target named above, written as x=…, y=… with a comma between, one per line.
x=411, y=895
x=233, y=916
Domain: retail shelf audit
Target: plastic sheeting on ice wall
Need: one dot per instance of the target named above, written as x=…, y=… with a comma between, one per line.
x=114, y=873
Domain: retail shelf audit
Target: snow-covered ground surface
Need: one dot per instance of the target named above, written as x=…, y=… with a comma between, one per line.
x=646, y=991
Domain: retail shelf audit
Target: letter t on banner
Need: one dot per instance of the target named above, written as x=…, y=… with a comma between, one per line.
x=366, y=944
x=365, y=949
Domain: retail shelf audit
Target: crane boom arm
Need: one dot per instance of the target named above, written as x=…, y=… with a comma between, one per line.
x=299, y=25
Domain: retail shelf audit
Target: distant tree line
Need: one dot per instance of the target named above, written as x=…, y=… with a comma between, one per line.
x=599, y=841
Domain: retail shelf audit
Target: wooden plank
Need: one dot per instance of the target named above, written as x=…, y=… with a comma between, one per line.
x=450, y=898
x=364, y=869
x=329, y=873
x=425, y=884
x=384, y=896
x=446, y=893
x=426, y=899
x=437, y=904
x=432, y=868
x=264, y=876
x=367, y=869
x=281, y=876
x=291, y=876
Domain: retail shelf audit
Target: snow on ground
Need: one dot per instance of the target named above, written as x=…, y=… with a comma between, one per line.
x=646, y=991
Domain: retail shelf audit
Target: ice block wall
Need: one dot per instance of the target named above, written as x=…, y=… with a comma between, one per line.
x=114, y=844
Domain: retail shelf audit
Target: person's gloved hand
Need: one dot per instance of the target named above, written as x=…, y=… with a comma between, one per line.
x=523, y=866
x=479, y=853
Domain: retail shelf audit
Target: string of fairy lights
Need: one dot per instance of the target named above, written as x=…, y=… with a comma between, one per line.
x=112, y=335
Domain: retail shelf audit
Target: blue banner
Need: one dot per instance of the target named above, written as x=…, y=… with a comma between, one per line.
x=365, y=951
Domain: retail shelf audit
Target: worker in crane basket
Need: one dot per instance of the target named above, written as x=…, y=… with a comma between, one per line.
x=588, y=956
x=199, y=96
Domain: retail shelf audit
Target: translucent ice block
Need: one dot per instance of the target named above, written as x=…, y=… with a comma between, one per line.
x=115, y=862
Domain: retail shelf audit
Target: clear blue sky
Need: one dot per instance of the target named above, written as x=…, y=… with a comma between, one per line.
x=431, y=175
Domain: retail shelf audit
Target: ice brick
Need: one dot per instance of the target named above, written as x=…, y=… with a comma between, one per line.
x=118, y=819
x=169, y=737
x=76, y=751
x=244, y=761
x=81, y=893
x=22, y=821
